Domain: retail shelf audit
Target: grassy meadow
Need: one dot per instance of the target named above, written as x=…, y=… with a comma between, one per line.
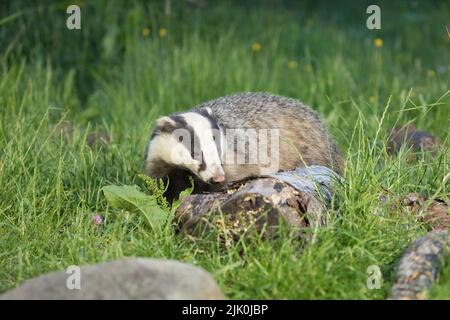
x=134, y=61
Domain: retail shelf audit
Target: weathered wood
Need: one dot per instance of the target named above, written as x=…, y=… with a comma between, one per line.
x=420, y=266
x=298, y=198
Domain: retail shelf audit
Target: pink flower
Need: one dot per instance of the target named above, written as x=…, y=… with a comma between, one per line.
x=97, y=220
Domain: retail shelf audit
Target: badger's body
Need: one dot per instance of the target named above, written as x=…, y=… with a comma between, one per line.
x=294, y=136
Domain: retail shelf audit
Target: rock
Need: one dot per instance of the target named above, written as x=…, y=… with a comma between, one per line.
x=101, y=138
x=130, y=278
x=432, y=212
x=420, y=265
x=94, y=139
x=437, y=215
x=63, y=129
x=412, y=138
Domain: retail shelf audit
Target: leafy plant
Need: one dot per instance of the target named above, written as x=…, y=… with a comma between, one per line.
x=131, y=199
x=156, y=188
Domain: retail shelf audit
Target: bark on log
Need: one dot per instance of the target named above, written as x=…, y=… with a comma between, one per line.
x=420, y=266
x=298, y=198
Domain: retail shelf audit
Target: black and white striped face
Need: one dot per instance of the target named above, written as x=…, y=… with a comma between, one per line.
x=190, y=140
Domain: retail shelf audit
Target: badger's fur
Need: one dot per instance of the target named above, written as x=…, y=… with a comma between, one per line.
x=195, y=143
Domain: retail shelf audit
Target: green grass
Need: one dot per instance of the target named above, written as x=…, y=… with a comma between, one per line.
x=441, y=291
x=108, y=76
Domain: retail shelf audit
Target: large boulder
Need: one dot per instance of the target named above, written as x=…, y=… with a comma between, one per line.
x=131, y=278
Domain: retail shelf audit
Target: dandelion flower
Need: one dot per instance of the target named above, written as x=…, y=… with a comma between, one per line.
x=162, y=32
x=292, y=64
x=431, y=73
x=372, y=99
x=308, y=68
x=378, y=42
x=145, y=32
x=256, y=47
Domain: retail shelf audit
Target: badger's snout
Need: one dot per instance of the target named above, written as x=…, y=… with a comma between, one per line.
x=215, y=175
x=220, y=178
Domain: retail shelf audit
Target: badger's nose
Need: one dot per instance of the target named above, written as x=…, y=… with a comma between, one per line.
x=218, y=178
x=216, y=175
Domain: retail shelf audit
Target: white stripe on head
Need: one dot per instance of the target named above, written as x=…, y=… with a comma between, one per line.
x=208, y=148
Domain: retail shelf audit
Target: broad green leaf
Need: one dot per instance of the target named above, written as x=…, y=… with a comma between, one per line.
x=131, y=199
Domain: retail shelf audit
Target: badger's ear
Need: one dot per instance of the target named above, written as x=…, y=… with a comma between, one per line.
x=208, y=110
x=205, y=111
x=165, y=124
x=164, y=120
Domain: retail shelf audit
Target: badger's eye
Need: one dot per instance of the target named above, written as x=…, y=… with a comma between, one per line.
x=180, y=139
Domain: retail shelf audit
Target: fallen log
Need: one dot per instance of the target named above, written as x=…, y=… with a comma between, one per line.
x=298, y=198
x=420, y=266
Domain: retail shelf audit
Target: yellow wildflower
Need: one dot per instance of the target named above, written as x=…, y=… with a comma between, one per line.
x=372, y=99
x=256, y=47
x=378, y=42
x=145, y=32
x=162, y=32
x=292, y=64
x=431, y=73
x=308, y=68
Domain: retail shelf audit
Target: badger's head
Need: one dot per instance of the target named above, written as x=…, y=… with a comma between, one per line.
x=190, y=141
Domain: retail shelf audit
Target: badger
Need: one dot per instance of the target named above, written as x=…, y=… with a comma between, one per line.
x=236, y=137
